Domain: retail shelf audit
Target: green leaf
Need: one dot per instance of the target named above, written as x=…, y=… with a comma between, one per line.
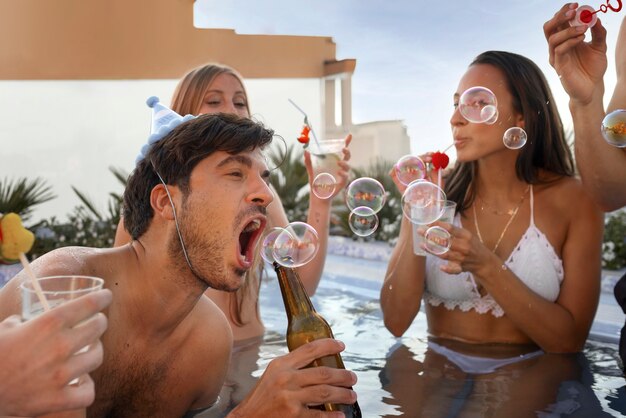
x=22, y=195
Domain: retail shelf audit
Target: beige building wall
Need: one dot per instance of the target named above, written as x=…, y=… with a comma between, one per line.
x=142, y=39
x=385, y=140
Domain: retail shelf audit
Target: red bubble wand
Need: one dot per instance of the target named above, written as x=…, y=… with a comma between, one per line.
x=587, y=16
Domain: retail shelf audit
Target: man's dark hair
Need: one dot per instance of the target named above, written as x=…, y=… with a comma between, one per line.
x=175, y=156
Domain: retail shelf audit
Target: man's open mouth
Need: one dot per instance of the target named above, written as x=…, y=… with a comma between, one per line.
x=249, y=237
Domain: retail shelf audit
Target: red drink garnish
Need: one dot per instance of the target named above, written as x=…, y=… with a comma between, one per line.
x=440, y=160
x=304, y=135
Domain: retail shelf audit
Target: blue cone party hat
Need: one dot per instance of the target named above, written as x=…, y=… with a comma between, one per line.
x=164, y=120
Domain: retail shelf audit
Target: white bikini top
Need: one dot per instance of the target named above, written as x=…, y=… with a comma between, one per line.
x=533, y=261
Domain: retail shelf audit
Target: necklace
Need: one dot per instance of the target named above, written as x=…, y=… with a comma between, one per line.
x=512, y=212
x=484, y=205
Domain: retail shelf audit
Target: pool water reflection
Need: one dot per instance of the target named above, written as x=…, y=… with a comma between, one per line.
x=407, y=377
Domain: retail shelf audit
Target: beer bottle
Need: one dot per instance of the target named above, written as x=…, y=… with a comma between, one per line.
x=304, y=325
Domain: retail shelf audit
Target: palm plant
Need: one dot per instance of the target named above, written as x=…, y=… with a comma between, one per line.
x=87, y=226
x=115, y=200
x=22, y=195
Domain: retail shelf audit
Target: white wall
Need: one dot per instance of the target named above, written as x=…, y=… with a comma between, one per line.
x=71, y=132
x=387, y=140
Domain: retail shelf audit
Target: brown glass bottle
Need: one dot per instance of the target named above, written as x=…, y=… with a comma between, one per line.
x=304, y=325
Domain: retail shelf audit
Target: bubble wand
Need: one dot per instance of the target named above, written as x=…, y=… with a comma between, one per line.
x=605, y=7
x=586, y=15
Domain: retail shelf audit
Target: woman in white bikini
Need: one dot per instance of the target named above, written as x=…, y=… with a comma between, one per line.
x=524, y=265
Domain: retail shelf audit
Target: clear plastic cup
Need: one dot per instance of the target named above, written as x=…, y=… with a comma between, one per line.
x=325, y=155
x=449, y=207
x=57, y=290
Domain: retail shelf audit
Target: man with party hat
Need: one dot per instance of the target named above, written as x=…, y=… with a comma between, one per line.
x=195, y=207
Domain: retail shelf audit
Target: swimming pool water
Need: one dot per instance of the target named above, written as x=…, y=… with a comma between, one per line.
x=405, y=377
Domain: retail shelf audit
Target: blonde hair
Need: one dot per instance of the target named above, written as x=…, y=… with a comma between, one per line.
x=187, y=99
x=191, y=89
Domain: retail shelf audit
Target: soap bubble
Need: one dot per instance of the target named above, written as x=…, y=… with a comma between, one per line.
x=437, y=240
x=478, y=105
x=267, y=245
x=324, y=185
x=423, y=202
x=296, y=245
x=614, y=128
x=363, y=221
x=494, y=118
x=365, y=191
x=410, y=168
x=514, y=138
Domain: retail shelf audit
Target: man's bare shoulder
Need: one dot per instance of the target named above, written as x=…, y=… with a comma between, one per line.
x=207, y=351
x=188, y=367
x=210, y=327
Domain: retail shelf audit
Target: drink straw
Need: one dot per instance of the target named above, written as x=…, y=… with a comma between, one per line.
x=306, y=120
x=35, y=283
x=439, y=170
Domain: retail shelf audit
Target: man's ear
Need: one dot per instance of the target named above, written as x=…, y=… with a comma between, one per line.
x=160, y=201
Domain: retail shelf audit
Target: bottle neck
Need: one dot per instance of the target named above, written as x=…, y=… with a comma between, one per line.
x=296, y=300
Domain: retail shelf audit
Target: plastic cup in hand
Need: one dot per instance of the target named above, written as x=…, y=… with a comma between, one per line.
x=56, y=290
x=325, y=155
x=422, y=202
x=449, y=208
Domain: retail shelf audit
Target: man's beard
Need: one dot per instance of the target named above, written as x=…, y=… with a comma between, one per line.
x=206, y=253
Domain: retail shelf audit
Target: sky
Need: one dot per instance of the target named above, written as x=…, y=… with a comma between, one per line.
x=410, y=54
